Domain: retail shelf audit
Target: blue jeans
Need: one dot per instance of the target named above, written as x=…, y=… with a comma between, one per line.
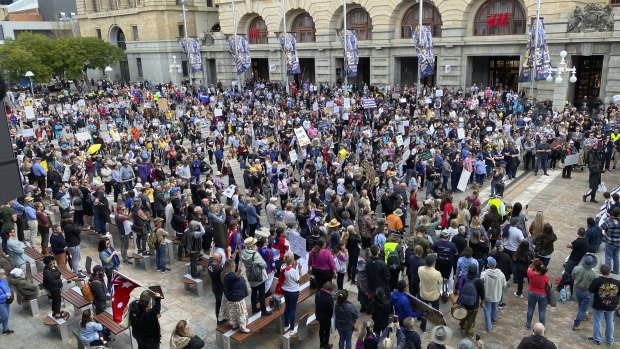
x=611, y=254
x=160, y=256
x=4, y=314
x=493, y=187
x=345, y=337
x=584, y=299
x=541, y=161
x=490, y=314
x=532, y=300
x=609, y=326
x=290, y=308
x=444, y=185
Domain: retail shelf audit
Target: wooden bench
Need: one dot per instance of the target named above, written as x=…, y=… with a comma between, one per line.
x=189, y=281
x=34, y=254
x=67, y=274
x=301, y=330
x=59, y=325
x=75, y=297
x=257, y=322
x=138, y=259
x=107, y=320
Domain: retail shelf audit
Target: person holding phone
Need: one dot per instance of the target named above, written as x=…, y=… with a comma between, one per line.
x=144, y=317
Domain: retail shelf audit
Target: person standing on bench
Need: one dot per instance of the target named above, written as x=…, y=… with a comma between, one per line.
x=194, y=245
x=52, y=281
x=144, y=320
x=290, y=289
x=235, y=290
x=215, y=268
x=252, y=261
x=97, y=287
x=73, y=240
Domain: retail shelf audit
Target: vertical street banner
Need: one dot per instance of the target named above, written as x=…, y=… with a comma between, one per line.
x=195, y=59
x=351, y=59
x=240, y=51
x=289, y=46
x=536, y=54
x=423, y=43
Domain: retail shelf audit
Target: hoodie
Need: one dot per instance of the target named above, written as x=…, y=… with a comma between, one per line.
x=251, y=256
x=402, y=307
x=494, y=284
x=536, y=342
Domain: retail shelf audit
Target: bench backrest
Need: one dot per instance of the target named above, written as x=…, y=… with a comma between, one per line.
x=80, y=342
x=89, y=264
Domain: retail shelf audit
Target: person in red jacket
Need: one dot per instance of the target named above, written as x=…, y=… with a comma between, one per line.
x=414, y=207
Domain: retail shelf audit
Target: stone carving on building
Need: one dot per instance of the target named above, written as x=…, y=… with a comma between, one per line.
x=593, y=18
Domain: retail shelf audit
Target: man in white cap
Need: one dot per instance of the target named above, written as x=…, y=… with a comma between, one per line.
x=27, y=289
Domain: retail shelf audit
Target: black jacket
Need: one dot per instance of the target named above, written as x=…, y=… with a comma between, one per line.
x=72, y=234
x=381, y=311
x=97, y=287
x=536, y=342
x=504, y=263
x=324, y=302
x=159, y=203
x=51, y=279
x=378, y=274
x=144, y=321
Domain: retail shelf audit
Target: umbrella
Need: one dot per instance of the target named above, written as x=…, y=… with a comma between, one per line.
x=94, y=148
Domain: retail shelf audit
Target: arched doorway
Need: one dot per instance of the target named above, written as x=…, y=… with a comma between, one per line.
x=117, y=37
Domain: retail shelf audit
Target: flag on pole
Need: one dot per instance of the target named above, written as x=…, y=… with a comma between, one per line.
x=120, y=291
x=536, y=54
x=423, y=43
x=240, y=51
x=351, y=58
x=289, y=46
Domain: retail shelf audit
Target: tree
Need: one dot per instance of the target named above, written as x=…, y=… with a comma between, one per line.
x=61, y=57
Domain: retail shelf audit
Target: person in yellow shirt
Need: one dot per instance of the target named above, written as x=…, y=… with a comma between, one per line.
x=394, y=222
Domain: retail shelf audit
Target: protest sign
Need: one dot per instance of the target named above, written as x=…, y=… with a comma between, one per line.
x=571, y=160
x=217, y=112
x=230, y=191
x=463, y=180
x=293, y=155
x=28, y=132
x=347, y=103
x=302, y=137
x=399, y=140
x=82, y=136
x=29, y=112
x=425, y=155
x=460, y=133
x=297, y=244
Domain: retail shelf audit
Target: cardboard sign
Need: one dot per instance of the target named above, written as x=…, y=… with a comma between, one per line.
x=463, y=180
x=230, y=191
x=571, y=160
x=302, y=137
x=162, y=103
x=82, y=136
x=428, y=312
x=29, y=112
x=425, y=155
x=297, y=244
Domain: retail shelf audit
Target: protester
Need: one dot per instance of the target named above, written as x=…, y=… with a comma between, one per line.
x=109, y=259
x=235, y=290
x=5, y=297
x=26, y=288
x=91, y=331
x=182, y=337
x=52, y=282
x=605, y=291
x=582, y=276
x=290, y=288
x=539, y=281
x=215, y=267
x=494, y=285
x=144, y=315
x=346, y=315
x=324, y=310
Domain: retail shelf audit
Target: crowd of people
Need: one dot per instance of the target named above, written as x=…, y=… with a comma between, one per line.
x=372, y=190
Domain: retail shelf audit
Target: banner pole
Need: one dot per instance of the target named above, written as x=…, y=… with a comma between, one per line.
x=284, y=70
x=535, y=60
x=418, y=87
x=346, y=43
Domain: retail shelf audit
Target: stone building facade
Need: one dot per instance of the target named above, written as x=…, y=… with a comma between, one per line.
x=475, y=41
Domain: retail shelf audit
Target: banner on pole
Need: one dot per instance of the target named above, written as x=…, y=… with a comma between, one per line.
x=536, y=54
x=240, y=51
x=289, y=46
x=423, y=43
x=349, y=44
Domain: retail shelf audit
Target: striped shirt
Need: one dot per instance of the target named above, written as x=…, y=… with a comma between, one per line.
x=611, y=231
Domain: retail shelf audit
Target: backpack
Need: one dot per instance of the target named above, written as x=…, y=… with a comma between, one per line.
x=152, y=241
x=393, y=261
x=87, y=293
x=473, y=210
x=254, y=272
x=469, y=293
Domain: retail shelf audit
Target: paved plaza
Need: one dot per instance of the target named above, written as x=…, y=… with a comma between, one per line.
x=560, y=199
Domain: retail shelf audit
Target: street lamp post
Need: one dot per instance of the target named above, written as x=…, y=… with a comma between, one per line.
x=175, y=68
x=107, y=71
x=562, y=70
x=189, y=68
x=29, y=75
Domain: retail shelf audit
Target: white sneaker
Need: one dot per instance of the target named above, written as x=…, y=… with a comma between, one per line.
x=293, y=332
x=517, y=295
x=286, y=329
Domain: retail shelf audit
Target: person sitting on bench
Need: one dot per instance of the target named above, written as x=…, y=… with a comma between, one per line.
x=92, y=332
x=25, y=288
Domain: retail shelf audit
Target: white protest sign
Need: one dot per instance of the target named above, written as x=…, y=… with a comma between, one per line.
x=217, y=112
x=29, y=112
x=82, y=136
x=439, y=93
x=302, y=137
x=81, y=103
x=336, y=109
x=297, y=244
x=230, y=191
x=399, y=140
x=28, y=132
x=347, y=103
x=571, y=160
x=461, y=133
x=293, y=155
x=329, y=104
x=315, y=106
x=463, y=180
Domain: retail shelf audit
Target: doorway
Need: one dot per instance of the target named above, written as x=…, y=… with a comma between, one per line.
x=409, y=72
x=124, y=70
x=260, y=69
x=306, y=68
x=589, y=72
x=363, y=74
x=496, y=71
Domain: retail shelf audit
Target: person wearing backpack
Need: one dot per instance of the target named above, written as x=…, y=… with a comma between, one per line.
x=255, y=268
x=392, y=251
x=97, y=290
x=471, y=295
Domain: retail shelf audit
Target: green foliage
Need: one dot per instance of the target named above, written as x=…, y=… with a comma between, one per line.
x=67, y=58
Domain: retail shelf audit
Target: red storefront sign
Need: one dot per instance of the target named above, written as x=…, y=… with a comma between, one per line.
x=498, y=20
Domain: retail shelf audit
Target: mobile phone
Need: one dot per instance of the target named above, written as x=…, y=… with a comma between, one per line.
x=395, y=319
x=477, y=336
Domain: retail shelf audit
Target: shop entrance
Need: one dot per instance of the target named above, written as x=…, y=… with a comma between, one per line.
x=589, y=72
x=306, y=67
x=260, y=69
x=409, y=72
x=495, y=71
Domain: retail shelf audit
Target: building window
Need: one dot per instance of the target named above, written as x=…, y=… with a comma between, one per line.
x=359, y=21
x=134, y=34
x=257, y=33
x=209, y=3
x=98, y=33
x=430, y=17
x=96, y=5
x=139, y=64
x=1, y=33
x=303, y=28
x=500, y=17
x=181, y=30
x=614, y=2
x=120, y=40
